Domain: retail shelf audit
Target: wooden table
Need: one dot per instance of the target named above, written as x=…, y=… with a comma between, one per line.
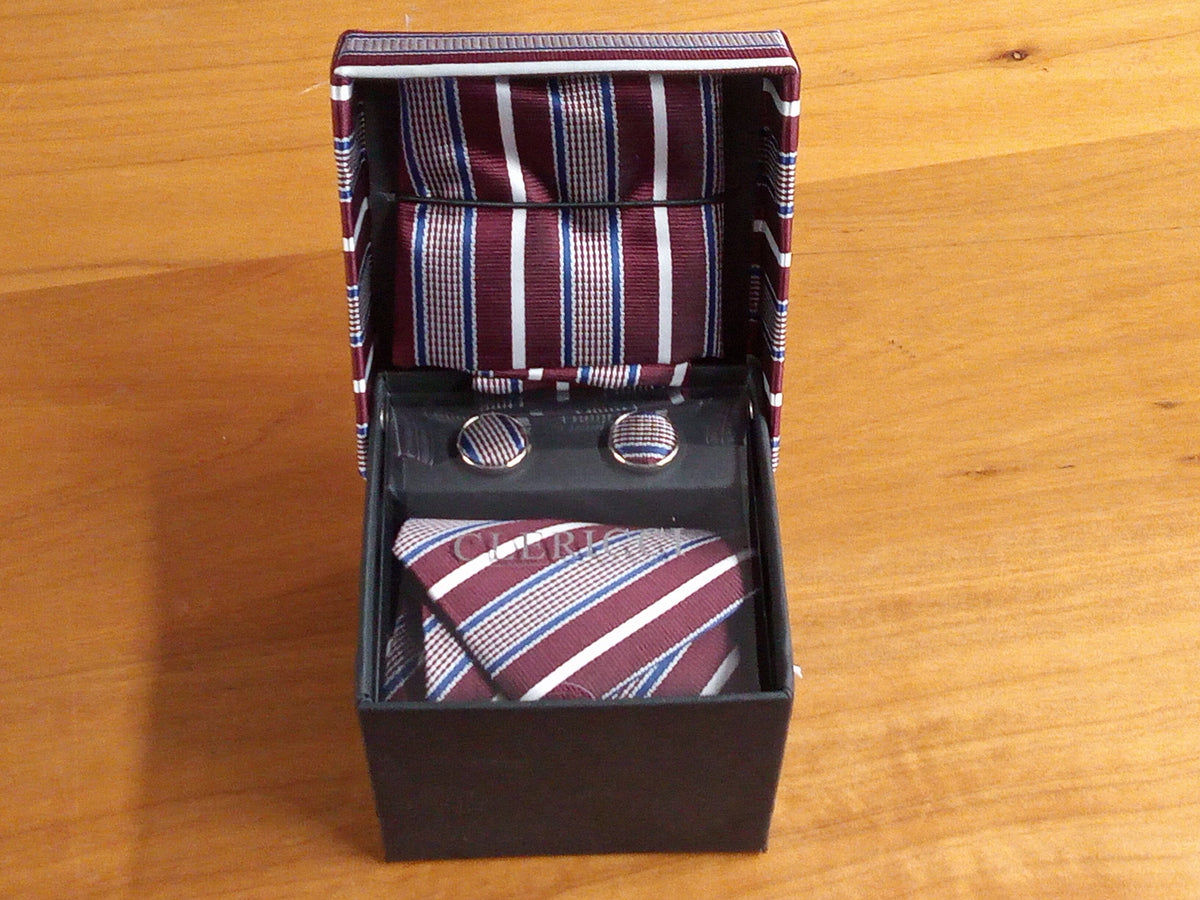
x=989, y=485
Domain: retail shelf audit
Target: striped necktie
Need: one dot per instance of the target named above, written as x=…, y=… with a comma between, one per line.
x=526, y=609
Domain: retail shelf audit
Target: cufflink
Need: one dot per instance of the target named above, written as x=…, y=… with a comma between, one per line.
x=492, y=442
x=643, y=440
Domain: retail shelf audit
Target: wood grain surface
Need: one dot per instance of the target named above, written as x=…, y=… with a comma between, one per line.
x=989, y=486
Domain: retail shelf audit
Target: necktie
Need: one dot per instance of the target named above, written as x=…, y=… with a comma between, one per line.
x=526, y=609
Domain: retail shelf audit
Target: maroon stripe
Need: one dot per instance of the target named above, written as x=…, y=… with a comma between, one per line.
x=534, y=138
x=639, y=254
x=689, y=273
x=635, y=137
x=543, y=289
x=481, y=130
x=403, y=342
x=493, y=274
x=685, y=137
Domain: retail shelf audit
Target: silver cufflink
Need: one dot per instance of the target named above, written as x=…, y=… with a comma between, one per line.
x=643, y=440
x=493, y=442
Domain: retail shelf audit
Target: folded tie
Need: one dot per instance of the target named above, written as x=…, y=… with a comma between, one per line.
x=526, y=609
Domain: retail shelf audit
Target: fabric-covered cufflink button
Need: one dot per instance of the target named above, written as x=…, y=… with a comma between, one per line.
x=493, y=442
x=643, y=440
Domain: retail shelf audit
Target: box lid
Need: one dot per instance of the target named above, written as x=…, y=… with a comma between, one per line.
x=555, y=209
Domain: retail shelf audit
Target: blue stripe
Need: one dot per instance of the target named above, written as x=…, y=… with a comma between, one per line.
x=470, y=450
x=401, y=676
x=710, y=143
x=610, y=137
x=710, y=249
x=564, y=221
x=468, y=288
x=634, y=371
x=432, y=542
x=436, y=692
x=568, y=352
x=518, y=441
x=657, y=673
x=458, y=142
x=614, y=251
x=418, y=283
x=612, y=587
x=640, y=679
x=648, y=449
x=614, y=216
x=560, y=140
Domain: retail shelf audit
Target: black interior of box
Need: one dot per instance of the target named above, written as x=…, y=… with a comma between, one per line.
x=721, y=481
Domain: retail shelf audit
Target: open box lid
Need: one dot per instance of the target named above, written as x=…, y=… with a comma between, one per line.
x=556, y=209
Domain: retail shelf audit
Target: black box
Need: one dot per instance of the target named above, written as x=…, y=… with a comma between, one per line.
x=466, y=779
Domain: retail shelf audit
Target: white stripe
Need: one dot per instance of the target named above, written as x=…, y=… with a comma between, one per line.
x=679, y=374
x=348, y=244
x=516, y=184
x=773, y=399
x=784, y=259
x=473, y=567
x=360, y=384
x=789, y=108
x=564, y=67
x=662, y=231
x=723, y=674
x=340, y=91
x=537, y=374
x=633, y=624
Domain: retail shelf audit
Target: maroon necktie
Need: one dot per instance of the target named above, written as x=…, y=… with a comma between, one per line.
x=527, y=609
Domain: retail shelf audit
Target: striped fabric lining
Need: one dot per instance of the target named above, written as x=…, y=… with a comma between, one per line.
x=511, y=60
x=483, y=288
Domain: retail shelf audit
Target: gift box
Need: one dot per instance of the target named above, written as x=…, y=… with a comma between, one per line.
x=555, y=234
